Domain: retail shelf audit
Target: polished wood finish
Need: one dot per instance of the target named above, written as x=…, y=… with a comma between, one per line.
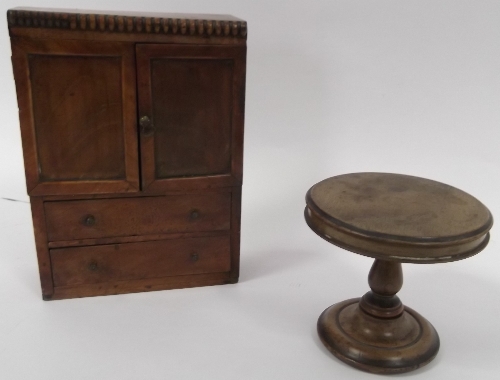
x=197, y=141
x=392, y=218
x=135, y=27
x=135, y=261
x=132, y=131
x=145, y=285
x=78, y=117
x=40, y=230
x=201, y=118
x=197, y=25
x=100, y=218
x=77, y=107
x=131, y=239
x=394, y=346
x=398, y=217
x=377, y=333
x=235, y=234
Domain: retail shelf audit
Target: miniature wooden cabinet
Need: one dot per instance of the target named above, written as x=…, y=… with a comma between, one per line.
x=132, y=131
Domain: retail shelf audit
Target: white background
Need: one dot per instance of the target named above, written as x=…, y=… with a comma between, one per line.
x=333, y=87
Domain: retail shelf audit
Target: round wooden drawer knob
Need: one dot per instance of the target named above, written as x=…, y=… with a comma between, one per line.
x=89, y=220
x=147, y=127
x=195, y=257
x=93, y=266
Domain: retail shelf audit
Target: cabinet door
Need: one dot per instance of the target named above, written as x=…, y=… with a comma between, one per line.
x=77, y=107
x=191, y=104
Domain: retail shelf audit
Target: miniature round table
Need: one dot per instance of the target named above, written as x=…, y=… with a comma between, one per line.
x=394, y=219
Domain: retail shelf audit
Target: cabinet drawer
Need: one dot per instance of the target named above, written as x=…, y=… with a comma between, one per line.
x=98, y=218
x=134, y=261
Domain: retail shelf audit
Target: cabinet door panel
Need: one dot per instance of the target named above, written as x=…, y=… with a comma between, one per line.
x=78, y=118
x=194, y=97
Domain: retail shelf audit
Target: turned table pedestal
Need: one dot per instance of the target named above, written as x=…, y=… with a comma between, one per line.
x=394, y=219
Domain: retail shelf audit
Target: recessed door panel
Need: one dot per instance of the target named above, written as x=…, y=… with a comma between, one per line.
x=77, y=106
x=192, y=116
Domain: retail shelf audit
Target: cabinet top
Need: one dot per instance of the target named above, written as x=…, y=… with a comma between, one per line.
x=113, y=22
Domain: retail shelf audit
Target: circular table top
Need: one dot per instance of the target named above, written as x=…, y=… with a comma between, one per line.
x=398, y=217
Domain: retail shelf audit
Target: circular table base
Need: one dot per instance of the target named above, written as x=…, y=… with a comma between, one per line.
x=377, y=345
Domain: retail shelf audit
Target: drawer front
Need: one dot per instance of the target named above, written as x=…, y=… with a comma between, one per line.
x=134, y=261
x=98, y=218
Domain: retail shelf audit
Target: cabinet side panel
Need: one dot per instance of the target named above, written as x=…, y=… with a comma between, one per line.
x=42, y=250
x=235, y=233
x=238, y=120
